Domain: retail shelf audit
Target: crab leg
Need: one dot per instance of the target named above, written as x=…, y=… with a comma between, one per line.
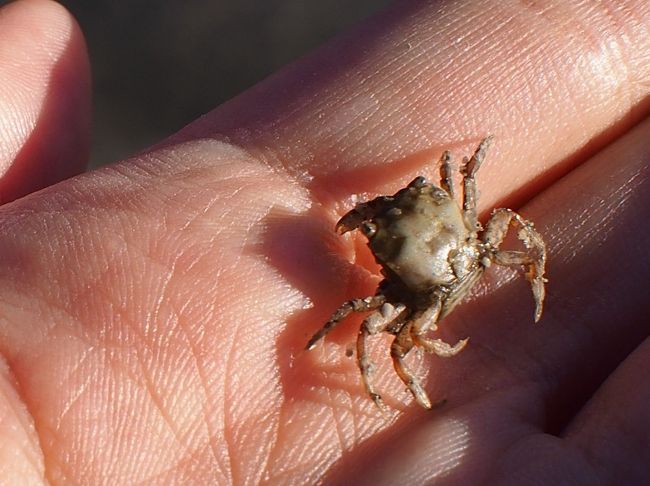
x=534, y=260
x=354, y=305
x=401, y=346
x=469, y=169
x=427, y=322
x=446, y=181
x=375, y=323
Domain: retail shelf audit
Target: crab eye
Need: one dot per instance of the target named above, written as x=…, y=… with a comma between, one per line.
x=418, y=182
x=368, y=229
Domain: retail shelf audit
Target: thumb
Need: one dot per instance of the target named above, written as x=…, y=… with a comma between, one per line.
x=44, y=97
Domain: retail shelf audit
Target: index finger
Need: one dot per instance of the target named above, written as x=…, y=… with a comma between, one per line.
x=553, y=83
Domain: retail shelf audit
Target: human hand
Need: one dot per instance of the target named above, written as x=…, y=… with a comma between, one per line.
x=153, y=313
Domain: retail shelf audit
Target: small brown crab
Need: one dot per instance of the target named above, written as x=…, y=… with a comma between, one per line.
x=431, y=253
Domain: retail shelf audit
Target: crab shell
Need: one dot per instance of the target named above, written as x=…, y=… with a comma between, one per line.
x=423, y=238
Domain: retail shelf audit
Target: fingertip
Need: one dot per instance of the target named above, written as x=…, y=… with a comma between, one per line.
x=44, y=97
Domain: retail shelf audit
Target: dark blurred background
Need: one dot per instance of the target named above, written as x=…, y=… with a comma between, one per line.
x=158, y=65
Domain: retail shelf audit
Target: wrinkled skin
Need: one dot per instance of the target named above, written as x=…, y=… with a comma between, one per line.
x=153, y=313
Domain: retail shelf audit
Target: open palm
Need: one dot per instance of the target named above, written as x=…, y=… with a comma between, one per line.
x=154, y=313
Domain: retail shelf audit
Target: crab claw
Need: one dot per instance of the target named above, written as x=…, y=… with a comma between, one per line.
x=350, y=221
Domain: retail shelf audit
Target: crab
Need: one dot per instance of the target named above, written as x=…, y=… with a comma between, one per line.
x=431, y=254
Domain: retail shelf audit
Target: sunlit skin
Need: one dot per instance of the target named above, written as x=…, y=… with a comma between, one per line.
x=154, y=313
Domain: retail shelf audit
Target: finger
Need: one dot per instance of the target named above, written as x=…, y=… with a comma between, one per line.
x=21, y=460
x=594, y=311
x=44, y=97
x=516, y=384
x=614, y=428
x=552, y=83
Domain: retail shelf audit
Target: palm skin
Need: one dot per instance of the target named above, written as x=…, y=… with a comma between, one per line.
x=154, y=313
